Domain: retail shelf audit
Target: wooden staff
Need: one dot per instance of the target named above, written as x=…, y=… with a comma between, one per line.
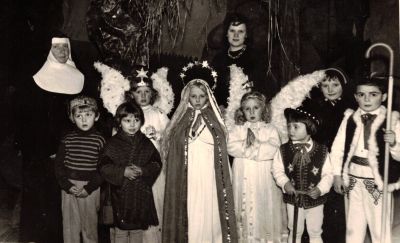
x=295, y=217
x=388, y=127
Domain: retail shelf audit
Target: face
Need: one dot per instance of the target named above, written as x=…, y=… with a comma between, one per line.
x=60, y=52
x=130, y=124
x=252, y=110
x=297, y=131
x=332, y=89
x=197, y=97
x=85, y=119
x=142, y=95
x=369, y=98
x=236, y=36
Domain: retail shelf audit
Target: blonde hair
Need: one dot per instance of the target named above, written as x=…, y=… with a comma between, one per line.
x=240, y=118
x=183, y=107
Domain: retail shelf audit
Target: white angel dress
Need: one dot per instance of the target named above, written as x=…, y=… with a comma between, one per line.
x=257, y=198
x=159, y=120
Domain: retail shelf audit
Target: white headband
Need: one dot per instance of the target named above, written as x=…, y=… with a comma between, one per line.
x=57, y=40
x=340, y=72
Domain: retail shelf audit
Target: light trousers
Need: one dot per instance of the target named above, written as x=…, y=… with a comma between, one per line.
x=313, y=217
x=80, y=215
x=128, y=236
x=365, y=210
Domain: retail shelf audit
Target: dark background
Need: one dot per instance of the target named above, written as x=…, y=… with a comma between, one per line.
x=314, y=34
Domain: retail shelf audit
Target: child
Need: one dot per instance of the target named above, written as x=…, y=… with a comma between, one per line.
x=358, y=161
x=198, y=205
x=144, y=95
x=253, y=142
x=131, y=164
x=334, y=99
x=76, y=171
x=302, y=169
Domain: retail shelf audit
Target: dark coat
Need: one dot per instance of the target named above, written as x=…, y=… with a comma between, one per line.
x=331, y=116
x=132, y=200
x=252, y=67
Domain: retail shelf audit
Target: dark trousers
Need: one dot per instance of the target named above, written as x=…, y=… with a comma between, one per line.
x=41, y=218
x=334, y=226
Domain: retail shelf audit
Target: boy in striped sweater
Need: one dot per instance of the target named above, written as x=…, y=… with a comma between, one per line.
x=77, y=174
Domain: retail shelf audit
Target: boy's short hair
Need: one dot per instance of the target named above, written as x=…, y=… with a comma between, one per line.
x=378, y=81
x=305, y=114
x=128, y=108
x=81, y=103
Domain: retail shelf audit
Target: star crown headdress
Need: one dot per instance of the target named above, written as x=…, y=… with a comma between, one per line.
x=142, y=74
x=200, y=68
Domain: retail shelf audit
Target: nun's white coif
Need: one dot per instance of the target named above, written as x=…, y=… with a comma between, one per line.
x=56, y=77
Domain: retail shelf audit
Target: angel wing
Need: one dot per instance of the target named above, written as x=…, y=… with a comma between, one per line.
x=165, y=101
x=113, y=87
x=237, y=88
x=291, y=96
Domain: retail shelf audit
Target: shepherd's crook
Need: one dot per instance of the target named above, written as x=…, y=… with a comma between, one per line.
x=388, y=127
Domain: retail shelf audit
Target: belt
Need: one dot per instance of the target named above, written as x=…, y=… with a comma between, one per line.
x=359, y=161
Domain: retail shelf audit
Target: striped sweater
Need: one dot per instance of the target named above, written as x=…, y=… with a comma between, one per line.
x=77, y=159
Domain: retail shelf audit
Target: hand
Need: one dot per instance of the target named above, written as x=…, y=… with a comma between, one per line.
x=389, y=137
x=338, y=184
x=83, y=193
x=75, y=190
x=250, y=138
x=314, y=193
x=132, y=172
x=289, y=188
x=150, y=132
x=137, y=170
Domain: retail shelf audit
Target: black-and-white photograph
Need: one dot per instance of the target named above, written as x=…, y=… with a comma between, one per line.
x=200, y=121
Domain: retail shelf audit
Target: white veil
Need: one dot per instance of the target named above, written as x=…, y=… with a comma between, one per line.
x=58, y=77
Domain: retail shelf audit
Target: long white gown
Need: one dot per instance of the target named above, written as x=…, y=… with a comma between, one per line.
x=258, y=200
x=202, y=203
x=154, y=117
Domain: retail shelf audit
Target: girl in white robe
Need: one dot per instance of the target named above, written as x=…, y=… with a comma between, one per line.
x=253, y=143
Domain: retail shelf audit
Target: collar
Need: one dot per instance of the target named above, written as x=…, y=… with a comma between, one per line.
x=310, y=142
x=127, y=137
x=374, y=112
x=253, y=125
x=147, y=107
x=80, y=132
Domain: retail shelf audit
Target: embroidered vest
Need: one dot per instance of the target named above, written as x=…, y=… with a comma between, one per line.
x=304, y=178
x=394, y=166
